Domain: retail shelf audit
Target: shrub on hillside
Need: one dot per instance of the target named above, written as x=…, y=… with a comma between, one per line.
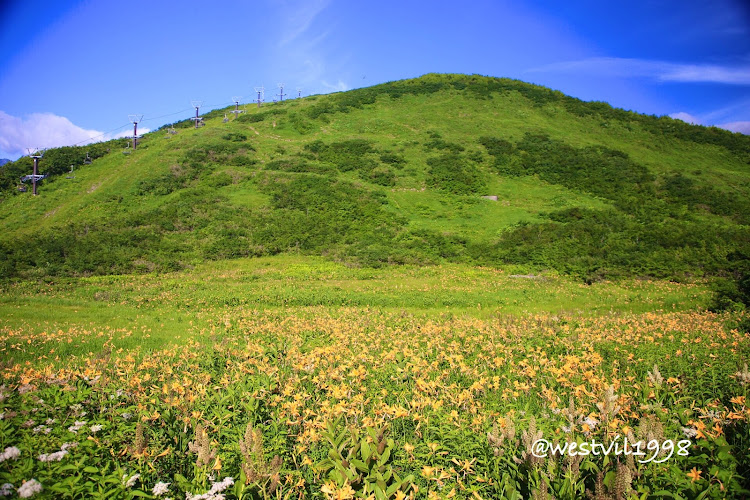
x=451, y=172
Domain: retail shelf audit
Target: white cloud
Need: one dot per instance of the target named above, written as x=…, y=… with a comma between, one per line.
x=339, y=86
x=306, y=50
x=662, y=71
x=298, y=18
x=705, y=73
x=47, y=130
x=686, y=117
x=741, y=127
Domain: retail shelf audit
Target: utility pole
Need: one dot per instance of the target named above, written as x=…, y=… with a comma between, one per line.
x=281, y=93
x=196, y=105
x=299, y=92
x=237, y=109
x=135, y=119
x=35, y=153
x=260, y=90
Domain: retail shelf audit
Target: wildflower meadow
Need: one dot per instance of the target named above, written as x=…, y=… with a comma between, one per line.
x=220, y=385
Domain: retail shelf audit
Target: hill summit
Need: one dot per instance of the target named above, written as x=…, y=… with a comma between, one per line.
x=461, y=168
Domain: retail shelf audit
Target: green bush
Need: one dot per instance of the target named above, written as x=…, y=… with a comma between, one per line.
x=383, y=176
x=296, y=164
x=354, y=154
x=452, y=173
x=733, y=292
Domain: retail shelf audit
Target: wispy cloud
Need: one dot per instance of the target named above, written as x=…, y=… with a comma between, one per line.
x=304, y=54
x=742, y=127
x=299, y=17
x=339, y=86
x=662, y=71
x=46, y=130
x=686, y=117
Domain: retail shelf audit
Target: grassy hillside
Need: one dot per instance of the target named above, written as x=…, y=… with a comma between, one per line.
x=395, y=173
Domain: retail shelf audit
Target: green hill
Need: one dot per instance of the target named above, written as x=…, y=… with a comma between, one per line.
x=395, y=173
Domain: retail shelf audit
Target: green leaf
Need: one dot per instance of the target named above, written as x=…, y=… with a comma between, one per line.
x=360, y=465
x=392, y=489
x=366, y=451
x=385, y=456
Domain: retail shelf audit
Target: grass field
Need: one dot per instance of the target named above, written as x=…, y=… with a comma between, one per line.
x=298, y=377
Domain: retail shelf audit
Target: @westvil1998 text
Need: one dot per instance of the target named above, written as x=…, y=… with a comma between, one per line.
x=541, y=448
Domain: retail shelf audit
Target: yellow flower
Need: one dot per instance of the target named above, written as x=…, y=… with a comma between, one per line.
x=739, y=400
x=344, y=493
x=694, y=474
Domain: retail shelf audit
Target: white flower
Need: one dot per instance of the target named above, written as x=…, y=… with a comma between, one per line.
x=96, y=428
x=6, y=490
x=69, y=446
x=160, y=488
x=23, y=390
x=689, y=432
x=129, y=483
x=50, y=421
x=127, y=415
x=215, y=493
x=591, y=422
x=29, y=488
x=10, y=453
x=53, y=457
x=222, y=485
x=77, y=426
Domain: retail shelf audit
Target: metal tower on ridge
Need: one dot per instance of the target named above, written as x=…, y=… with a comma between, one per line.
x=34, y=153
x=196, y=105
x=135, y=120
x=237, y=110
x=281, y=93
x=261, y=94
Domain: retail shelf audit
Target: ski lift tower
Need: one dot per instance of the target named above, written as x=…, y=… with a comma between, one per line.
x=281, y=93
x=237, y=110
x=260, y=90
x=197, y=105
x=34, y=153
x=135, y=120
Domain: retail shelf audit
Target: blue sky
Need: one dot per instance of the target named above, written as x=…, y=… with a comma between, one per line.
x=72, y=71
